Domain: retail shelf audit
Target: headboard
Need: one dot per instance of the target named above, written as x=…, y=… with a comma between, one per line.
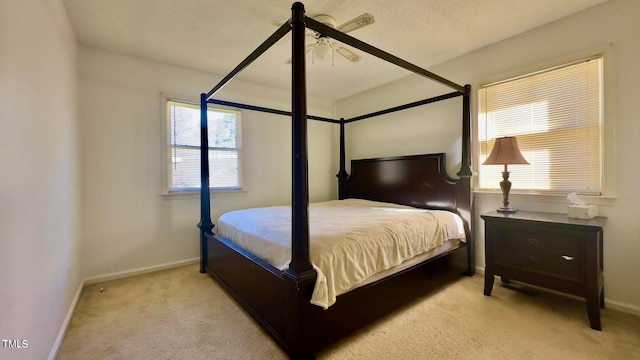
x=417, y=180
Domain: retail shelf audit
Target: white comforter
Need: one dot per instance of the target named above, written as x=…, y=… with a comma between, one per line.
x=351, y=239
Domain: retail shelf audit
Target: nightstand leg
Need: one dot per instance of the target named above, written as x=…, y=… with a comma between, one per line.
x=593, y=309
x=488, y=283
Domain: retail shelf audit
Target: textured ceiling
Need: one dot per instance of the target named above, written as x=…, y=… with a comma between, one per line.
x=215, y=35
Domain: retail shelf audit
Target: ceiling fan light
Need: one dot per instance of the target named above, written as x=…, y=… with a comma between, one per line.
x=323, y=49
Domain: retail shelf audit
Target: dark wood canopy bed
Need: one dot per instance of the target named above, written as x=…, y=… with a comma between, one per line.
x=279, y=298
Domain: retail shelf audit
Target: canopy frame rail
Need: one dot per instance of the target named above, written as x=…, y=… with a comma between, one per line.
x=267, y=110
x=271, y=40
x=372, y=50
x=405, y=106
x=342, y=37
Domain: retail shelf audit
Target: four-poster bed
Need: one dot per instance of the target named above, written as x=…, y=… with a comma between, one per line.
x=278, y=298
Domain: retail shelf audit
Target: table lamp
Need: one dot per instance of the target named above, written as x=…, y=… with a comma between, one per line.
x=505, y=151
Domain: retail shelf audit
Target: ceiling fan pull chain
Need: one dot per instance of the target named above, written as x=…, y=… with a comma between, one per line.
x=332, y=56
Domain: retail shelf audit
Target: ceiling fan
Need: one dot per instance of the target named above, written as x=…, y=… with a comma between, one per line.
x=325, y=47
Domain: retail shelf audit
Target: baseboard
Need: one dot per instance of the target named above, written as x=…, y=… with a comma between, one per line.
x=66, y=322
x=107, y=277
x=623, y=307
x=608, y=303
x=138, y=271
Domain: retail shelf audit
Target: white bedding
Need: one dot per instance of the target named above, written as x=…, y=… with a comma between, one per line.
x=350, y=240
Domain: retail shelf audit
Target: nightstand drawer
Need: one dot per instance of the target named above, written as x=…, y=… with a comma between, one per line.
x=535, y=241
x=559, y=266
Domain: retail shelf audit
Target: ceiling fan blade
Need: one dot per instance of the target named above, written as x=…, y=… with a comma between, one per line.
x=356, y=23
x=348, y=54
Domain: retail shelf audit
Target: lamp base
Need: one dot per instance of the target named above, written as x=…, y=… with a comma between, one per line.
x=505, y=186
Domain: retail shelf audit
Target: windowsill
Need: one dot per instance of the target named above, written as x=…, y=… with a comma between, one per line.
x=530, y=196
x=195, y=194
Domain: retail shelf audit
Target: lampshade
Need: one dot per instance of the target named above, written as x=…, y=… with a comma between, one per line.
x=505, y=151
x=323, y=48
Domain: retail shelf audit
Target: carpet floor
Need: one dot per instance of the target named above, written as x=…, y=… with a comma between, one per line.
x=182, y=314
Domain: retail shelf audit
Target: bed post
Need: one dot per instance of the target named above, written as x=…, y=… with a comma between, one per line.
x=342, y=175
x=466, y=196
x=205, y=224
x=300, y=273
x=300, y=263
x=465, y=168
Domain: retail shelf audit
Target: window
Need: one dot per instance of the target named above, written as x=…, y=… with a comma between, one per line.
x=556, y=116
x=184, y=147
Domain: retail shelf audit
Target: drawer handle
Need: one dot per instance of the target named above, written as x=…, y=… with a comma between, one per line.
x=568, y=258
x=533, y=242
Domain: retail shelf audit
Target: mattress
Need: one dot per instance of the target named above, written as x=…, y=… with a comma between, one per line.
x=352, y=241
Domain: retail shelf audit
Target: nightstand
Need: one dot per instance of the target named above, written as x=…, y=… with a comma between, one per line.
x=547, y=250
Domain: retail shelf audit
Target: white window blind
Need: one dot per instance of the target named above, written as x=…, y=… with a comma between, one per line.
x=556, y=116
x=184, y=147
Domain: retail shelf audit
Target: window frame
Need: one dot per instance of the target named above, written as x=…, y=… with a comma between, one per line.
x=607, y=190
x=167, y=148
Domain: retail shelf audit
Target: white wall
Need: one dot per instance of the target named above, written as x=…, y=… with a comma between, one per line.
x=127, y=223
x=611, y=28
x=39, y=213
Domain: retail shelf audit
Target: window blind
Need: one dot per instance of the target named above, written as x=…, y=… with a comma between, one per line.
x=556, y=116
x=184, y=144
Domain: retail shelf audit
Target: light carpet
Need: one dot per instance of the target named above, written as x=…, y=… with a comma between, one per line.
x=182, y=314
